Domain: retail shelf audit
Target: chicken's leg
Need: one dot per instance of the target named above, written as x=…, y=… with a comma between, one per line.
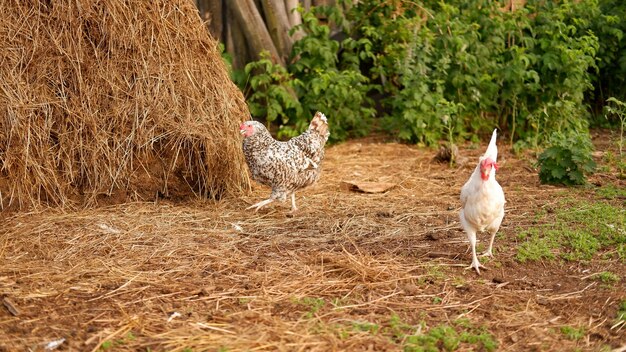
x=260, y=204
x=294, y=208
x=489, y=252
x=471, y=235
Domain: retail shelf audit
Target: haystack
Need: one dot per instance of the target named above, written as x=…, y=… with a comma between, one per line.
x=114, y=100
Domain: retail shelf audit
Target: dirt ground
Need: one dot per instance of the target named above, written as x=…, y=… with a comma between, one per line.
x=206, y=276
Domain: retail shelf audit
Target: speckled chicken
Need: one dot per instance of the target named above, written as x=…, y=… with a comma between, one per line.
x=482, y=202
x=285, y=166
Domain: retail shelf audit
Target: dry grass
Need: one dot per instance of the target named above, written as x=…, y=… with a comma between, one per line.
x=111, y=98
x=208, y=274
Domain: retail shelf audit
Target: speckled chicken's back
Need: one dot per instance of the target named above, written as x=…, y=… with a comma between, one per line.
x=286, y=166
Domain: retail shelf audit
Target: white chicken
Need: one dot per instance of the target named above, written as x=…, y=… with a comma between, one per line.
x=482, y=202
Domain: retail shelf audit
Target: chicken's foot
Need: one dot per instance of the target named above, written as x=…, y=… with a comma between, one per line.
x=476, y=265
x=260, y=204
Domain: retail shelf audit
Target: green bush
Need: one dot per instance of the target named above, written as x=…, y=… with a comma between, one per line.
x=617, y=108
x=526, y=71
x=608, y=24
x=342, y=95
x=450, y=69
x=313, y=82
x=273, y=95
x=321, y=85
x=567, y=159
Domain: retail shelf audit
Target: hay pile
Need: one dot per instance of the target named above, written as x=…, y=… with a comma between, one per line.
x=110, y=100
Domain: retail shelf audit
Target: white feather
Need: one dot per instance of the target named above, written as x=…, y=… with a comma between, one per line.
x=54, y=344
x=492, y=149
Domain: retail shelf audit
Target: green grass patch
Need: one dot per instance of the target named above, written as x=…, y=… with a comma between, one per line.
x=577, y=231
x=346, y=330
x=573, y=333
x=582, y=245
x=312, y=304
x=365, y=326
x=461, y=334
x=109, y=344
x=537, y=245
x=434, y=273
x=439, y=338
x=607, y=277
x=610, y=191
x=349, y=329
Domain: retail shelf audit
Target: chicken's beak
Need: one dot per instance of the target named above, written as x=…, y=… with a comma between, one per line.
x=242, y=129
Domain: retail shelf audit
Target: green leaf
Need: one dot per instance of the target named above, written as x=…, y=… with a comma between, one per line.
x=558, y=173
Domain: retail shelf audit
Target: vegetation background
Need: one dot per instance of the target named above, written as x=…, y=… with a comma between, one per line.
x=543, y=72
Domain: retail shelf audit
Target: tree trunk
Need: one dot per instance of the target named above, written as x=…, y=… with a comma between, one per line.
x=278, y=25
x=253, y=27
x=236, y=43
x=203, y=8
x=216, y=18
x=295, y=18
x=318, y=2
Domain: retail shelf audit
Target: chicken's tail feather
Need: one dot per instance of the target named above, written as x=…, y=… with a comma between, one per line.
x=492, y=149
x=319, y=124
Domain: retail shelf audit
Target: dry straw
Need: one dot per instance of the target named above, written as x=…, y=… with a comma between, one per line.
x=111, y=98
x=209, y=275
